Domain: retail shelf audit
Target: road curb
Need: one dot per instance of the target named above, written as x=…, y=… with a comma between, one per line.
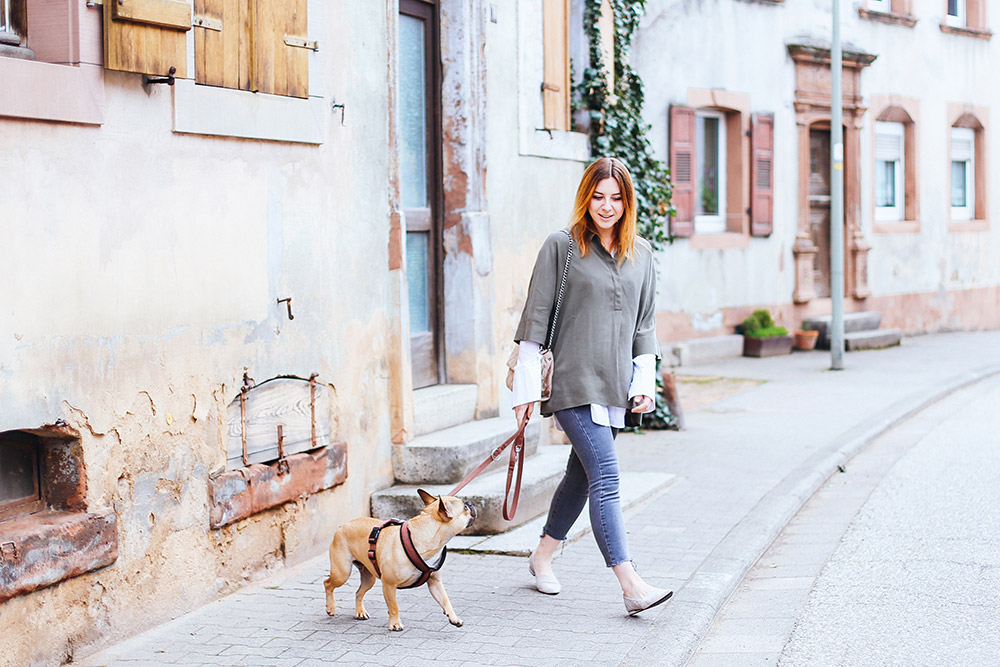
x=675, y=633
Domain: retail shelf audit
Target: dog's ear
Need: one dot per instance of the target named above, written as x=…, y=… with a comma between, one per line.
x=443, y=510
x=426, y=497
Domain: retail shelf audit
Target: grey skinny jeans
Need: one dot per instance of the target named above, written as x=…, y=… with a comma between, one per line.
x=591, y=473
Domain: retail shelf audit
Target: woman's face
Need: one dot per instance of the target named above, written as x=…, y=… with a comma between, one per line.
x=606, y=205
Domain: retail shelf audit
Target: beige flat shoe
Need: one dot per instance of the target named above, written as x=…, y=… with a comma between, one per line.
x=545, y=583
x=634, y=605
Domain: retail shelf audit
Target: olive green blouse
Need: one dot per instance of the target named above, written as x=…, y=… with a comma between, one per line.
x=608, y=316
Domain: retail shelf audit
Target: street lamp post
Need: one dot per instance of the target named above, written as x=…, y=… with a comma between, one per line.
x=837, y=199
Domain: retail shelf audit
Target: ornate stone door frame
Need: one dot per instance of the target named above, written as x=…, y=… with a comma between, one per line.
x=813, y=84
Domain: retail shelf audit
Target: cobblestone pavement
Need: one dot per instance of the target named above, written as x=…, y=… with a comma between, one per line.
x=745, y=466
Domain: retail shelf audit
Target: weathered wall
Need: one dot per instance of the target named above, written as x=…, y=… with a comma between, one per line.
x=741, y=47
x=143, y=269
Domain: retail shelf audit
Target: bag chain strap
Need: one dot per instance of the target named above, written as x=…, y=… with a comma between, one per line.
x=562, y=288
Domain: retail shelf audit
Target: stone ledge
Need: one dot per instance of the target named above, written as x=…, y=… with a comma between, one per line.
x=39, y=550
x=238, y=494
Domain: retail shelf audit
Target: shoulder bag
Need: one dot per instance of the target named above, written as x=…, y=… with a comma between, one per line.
x=546, y=351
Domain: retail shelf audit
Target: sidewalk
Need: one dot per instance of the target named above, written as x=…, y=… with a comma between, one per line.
x=743, y=468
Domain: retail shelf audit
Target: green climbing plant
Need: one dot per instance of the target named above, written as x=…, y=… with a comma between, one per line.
x=617, y=129
x=616, y=125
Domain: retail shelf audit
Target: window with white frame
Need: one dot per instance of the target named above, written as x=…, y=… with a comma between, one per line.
x=956, y=13
x=710, y=196
x=890, y=180
x=880, y=6
x=963, y=147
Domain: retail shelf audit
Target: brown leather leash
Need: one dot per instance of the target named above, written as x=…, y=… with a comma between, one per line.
x=516, y=461
x=411, y=551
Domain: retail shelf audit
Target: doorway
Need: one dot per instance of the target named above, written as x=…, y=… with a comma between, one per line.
x=819, y=208
x=420, y=182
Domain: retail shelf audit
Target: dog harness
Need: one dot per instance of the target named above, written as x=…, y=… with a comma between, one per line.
x=411, y=551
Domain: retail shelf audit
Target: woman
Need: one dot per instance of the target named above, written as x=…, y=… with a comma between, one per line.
x=604, y=355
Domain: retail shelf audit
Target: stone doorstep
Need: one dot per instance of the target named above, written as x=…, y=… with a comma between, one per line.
x=636, y=489
x=448, y=455
x=864, y=321
x=442, y=406
x=872, y=340
x=703, y=350
x=542, y=473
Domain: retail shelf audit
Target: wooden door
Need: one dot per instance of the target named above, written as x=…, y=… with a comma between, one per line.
x=420, y=190
x=819, y=207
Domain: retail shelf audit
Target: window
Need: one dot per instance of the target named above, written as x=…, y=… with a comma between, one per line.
x=721, y=168
x=889, y=171
x=966, y=17
x=19, y=476
x=710, y=192
x=879, y=5
x=895, y=197
x=956, y=13
x=279, y=438
x=963, y=152
x=47, y=531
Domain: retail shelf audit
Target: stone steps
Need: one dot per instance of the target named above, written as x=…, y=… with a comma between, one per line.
x=442, y=406
x=861, y=331
x=542, y=473
x=872, y=340
x=448, y=455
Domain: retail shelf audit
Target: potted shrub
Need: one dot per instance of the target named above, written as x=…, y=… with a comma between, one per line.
x=805, y=338
x=762, y=337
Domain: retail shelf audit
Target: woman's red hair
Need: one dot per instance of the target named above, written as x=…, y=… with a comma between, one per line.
x=582, y=225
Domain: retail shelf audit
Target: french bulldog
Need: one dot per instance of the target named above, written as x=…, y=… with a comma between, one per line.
x=442, y=518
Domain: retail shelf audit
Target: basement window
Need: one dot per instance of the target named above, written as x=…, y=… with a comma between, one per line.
x=47, y=533
x=279, y=447
x=20, y=488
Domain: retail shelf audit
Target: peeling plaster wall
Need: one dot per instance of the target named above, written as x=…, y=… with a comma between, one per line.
x=143, y=269
x=683, y=44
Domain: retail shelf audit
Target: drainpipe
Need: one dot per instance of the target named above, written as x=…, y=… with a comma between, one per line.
x=837, y=203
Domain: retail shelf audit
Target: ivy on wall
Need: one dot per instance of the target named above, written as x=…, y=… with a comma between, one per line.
x=617, y=129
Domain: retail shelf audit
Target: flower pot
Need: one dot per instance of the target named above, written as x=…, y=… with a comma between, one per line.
x=805, y=340
x=766, y=347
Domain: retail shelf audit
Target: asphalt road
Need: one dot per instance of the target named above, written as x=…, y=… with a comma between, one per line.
x=895, y=561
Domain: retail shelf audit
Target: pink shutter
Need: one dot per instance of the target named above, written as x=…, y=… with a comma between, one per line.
x=762, y=175
x=682, y=160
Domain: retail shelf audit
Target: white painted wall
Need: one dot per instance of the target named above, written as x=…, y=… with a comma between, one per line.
x=741, y=46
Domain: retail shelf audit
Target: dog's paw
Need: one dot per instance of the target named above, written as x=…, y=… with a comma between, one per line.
x=361, y=615
x=396, y=627
x=455, y=620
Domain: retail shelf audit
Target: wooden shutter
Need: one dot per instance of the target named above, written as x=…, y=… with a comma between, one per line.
x=146, y=36
x=555, y=87
x=762, y=175
x=279, y=66
x=300, y=409
x=682, y=161
x=222, y=43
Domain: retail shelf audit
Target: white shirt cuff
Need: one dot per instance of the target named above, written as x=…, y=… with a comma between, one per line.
x=528, y=374
x=643, y=377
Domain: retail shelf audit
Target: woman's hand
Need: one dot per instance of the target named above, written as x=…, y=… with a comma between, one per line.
x=523, y=413
x=642, y=403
